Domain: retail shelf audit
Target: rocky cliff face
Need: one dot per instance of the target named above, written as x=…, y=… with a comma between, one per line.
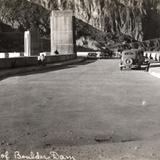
x=102, y=21
x=136, y=18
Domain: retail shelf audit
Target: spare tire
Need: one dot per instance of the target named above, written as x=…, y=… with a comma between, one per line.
x=128, y=61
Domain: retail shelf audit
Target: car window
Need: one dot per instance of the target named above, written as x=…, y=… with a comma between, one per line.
x=129, y=53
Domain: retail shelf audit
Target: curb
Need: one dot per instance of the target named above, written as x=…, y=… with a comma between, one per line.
x=155, y=69
x=155, y=74
x=16, y=71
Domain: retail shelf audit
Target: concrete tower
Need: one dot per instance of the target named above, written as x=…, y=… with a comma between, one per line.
x=62, y=37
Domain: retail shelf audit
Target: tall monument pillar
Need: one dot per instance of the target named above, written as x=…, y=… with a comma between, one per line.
x=31, y=43
x=27, y=43
x=62, y=37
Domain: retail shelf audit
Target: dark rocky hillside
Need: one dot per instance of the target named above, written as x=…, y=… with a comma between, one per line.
x=120, y=20
x=98, y=22
x=139, y=19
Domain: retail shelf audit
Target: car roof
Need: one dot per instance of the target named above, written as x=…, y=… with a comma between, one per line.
x=132, y=50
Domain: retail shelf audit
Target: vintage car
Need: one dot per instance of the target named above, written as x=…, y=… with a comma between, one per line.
x=93, y=55
x=133, y=58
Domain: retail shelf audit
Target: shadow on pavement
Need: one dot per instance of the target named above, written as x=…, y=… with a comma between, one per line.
x=93, y=140
x=44, y=69
x=152, y=65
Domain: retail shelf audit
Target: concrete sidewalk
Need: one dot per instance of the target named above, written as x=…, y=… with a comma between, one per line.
x=155, y=70
x=13, y=71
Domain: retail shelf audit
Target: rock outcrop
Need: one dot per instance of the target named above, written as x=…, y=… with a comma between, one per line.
x=136, y=18
x=98, y=22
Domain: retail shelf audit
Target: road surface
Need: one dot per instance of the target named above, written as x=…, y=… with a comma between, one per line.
x=85, y=104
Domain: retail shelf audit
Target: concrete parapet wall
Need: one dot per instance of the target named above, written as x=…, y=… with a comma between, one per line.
x=31, y=61
x=18, y=62
x=59, y=58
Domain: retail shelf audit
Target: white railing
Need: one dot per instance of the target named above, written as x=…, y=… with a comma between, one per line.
x=155, y=55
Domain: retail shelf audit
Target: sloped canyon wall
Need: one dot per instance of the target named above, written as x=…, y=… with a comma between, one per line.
x=137, y=18
x=98, y=22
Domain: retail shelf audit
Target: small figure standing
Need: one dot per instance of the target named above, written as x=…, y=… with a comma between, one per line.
x=42, y=60
x=56, y=52
x=148, y=65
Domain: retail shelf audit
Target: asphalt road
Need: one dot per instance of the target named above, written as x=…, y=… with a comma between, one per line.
x=85, y=104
